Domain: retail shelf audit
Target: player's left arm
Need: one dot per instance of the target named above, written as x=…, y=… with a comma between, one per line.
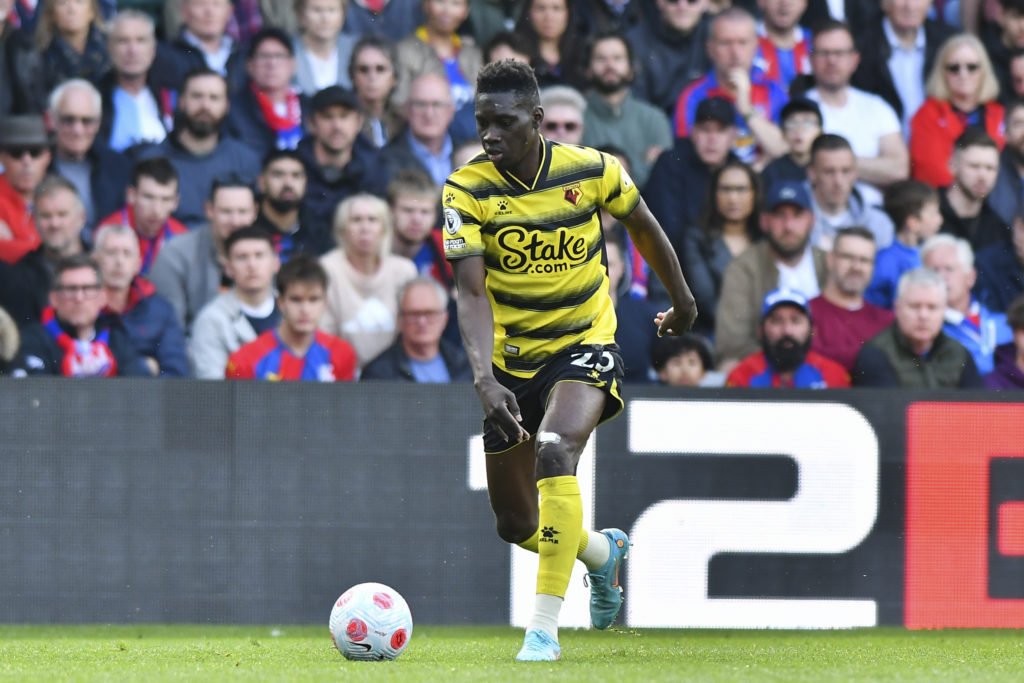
x=650, y=240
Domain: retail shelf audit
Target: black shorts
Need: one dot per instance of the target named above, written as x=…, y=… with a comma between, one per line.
x=596, y=365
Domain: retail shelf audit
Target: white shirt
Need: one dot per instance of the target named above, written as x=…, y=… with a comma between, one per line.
x=863, y=120
x=324, y=71
x=907, y=69
x=801, y=277
x=218, y=61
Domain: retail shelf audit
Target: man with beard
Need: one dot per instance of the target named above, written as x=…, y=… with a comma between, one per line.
x=786, y=358
x=843, y=320
x=198, y=149
x=785, y=258
x=965, y=213
x=614, y=116
x=282, y=185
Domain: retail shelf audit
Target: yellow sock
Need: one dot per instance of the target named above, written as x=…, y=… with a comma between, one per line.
x=531, y=543
x=561, y=522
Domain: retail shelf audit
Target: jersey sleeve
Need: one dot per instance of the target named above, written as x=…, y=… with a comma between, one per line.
x=239, y=366
x=620, y=193
x=462, y=217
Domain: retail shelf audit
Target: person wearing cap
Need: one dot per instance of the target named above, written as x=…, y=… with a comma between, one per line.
x=339, y=162
x=689, y=164
x=784, y=258
x=614, y=116
x=198, y=149
x=843, y=320
x=268, y=114
x=801, y=124
x=758, y=100
x=25, y=154
x=786, y=358
x=838, y=200
x=867, y=121
x=913, y=352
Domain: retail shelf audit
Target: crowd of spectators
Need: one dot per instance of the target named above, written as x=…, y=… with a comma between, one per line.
x=250, y=189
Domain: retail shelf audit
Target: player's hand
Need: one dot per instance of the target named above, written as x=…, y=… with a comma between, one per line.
x=676, y=321
x=502, y=410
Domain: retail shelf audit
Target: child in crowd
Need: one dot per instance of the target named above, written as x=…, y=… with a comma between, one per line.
x=685, y=361
x=914, y=209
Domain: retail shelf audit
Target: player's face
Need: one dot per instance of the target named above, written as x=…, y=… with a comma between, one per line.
x=77, y=297
x=508, y=128
x=59, y=218
x=252, y=265
x=118, y=258
x=959, y=278
x=421, y=319
x=302, y=306
x=152, y=204
x=919, y=313
x=682, y=370
x=414, y=216
x=851, y=262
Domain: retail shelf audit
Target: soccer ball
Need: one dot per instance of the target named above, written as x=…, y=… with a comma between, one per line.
x=371, y=621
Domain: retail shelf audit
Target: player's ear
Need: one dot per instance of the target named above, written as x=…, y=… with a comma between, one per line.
x=538, y=116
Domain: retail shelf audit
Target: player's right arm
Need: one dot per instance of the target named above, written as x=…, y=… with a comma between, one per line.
x=476, y=323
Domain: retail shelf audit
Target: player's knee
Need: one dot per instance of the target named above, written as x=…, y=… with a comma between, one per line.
x=515, y=529
x=554, y=455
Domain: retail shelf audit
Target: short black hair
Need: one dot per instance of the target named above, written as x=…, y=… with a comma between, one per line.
x=1013, y=5
x=276, y=154
x=610, y=34
x=801, y=105
x=372, y=41
x=74, y=262
x=668, y=347
x=230, y=180
x=249, y=232
x=974, y=137
x=513, y=41
x=160, y=169
x=199, y=72
x=508, y=75
x=829, y=25
x=269, y=33
x=906, y=198
x=829, y=142
x=301, y=267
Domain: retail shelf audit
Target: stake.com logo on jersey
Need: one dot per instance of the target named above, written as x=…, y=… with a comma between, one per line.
x=531, y=251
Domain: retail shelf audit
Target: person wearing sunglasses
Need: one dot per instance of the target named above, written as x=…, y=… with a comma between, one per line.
x=962, y=91
x=564, y=108
x=25, y=154
x=372, y=71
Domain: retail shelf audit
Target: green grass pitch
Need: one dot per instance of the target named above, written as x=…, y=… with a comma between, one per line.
x=305, y=653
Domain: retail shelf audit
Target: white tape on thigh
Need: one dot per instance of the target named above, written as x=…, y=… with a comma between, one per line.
x=548, y=437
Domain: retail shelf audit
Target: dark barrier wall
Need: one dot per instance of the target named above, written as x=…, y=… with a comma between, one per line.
x=141, y=501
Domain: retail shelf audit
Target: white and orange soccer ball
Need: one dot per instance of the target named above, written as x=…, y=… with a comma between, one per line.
x=371, y=622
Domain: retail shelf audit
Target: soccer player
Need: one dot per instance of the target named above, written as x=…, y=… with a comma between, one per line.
x=525, y=241
x=296, y=349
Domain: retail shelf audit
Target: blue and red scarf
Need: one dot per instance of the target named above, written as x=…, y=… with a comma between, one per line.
x=288, y=128
x=81, y=358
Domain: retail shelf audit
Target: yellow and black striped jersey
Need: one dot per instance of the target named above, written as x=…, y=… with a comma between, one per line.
x=543, y=249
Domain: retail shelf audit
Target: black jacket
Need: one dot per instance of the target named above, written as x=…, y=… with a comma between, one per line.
x=110, y=173
x=393, y=363
x=985, y=229
x=41, y=355
x=873, y=72
x=22, y=86
x=175, y=59
x=245, y=122
x=25, y=287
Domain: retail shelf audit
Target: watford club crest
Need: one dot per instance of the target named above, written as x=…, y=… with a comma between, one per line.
x=573, y=194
